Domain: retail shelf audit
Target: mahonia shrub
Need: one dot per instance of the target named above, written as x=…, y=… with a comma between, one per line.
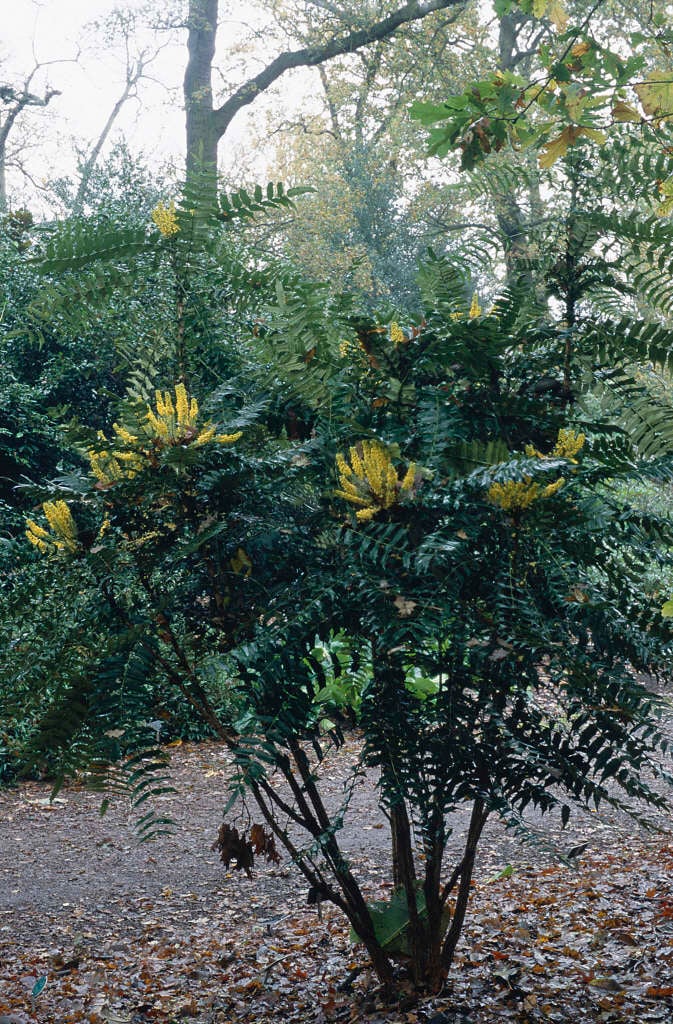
x=473, y=569
x=444, y=528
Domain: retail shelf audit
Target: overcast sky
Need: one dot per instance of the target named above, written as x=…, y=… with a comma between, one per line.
x=54, y=30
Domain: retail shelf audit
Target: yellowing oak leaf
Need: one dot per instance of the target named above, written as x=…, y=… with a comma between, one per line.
x=656, y=95
x=558, y=15
x=666, y=205
x=625, y=112
x=558, y=147
x=552, y=9
x=555, y=149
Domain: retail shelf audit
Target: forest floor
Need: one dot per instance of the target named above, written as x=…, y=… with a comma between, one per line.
x=96, y=928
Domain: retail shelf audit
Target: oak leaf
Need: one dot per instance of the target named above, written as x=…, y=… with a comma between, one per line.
x=656, y=95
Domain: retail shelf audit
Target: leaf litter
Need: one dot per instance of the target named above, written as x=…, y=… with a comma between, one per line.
x=98, y=929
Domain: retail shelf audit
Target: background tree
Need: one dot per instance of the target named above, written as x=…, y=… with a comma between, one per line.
x=378, y=201
x=17, y=101
x=121, y=29
x=207, y=122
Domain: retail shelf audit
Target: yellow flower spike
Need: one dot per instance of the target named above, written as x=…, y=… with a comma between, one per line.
x=175, y=421
x=371, y=480
x=109, y=467
x=124, y=435
x=475, y=308
x=357, y=463
x=551, y=489
x=60, y=519
x=205, y=436
x=98, y=467
x=568, y=444
x=168, y=404
x=355, y=499
x=159, y=400
x=390, y=485
x=342, y=466
x=349, y=487
x=397, y=335
x=379, y=482
x=166, y=219
x=37, y=542
x=38, y=531
x=158, y=425
x=409, y=478
x=371, y=468
x=517, y=495
x=532, y=452
x=63, y=536
x=228, y=438
x=105, y=526
x=182, y=406
x=382, y=461
x=514, y=495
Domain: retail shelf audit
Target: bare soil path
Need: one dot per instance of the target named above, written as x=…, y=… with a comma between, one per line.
x=129, y=933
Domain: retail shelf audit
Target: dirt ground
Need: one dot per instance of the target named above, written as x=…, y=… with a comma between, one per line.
x=96, y=927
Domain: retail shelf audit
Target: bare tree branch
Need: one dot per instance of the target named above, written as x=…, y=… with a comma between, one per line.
x=311, y=56
x=207, y=124
x=16, y=101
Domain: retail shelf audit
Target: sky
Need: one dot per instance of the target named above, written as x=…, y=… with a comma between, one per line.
x=54, y=31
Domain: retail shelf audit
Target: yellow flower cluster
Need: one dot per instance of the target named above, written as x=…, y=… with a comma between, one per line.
x=173, y=421
x=63, y=535
x=397, y=335
x=109, y=466
x=370, y=480
x=517, y=495
x=166, y=219
x=568, y=444
x=475, y=310
x=176, y=422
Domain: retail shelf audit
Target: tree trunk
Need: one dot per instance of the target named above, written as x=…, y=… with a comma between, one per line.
x=202, y=135
x=207, y=124
x=3, y=181
x=477, y=822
